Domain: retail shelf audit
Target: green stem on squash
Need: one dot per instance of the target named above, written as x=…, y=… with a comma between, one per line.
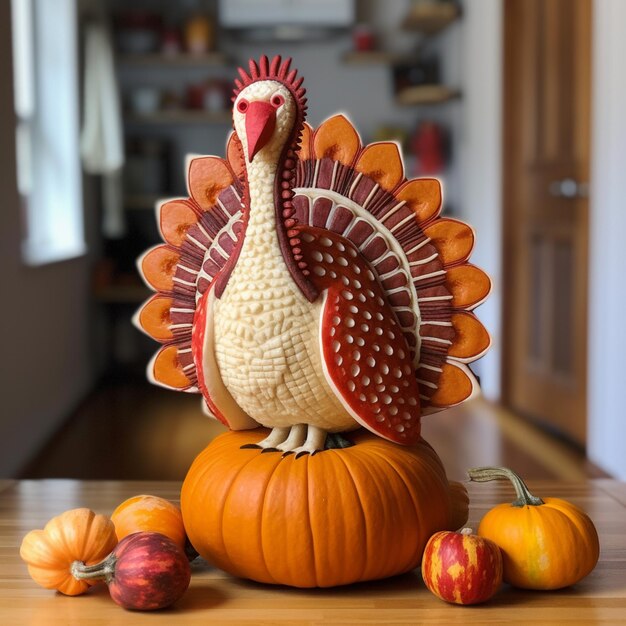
x=105, y=570
x=524, y=497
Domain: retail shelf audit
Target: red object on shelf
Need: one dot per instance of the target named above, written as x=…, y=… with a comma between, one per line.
x=171, y=42
x=137, y=31
x=363, y=38
x=195, y=96
x=428, y=145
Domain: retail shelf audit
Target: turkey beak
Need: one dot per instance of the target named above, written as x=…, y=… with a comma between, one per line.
x=260, y=124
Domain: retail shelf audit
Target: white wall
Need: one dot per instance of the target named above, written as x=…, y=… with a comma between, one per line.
x=481, y=157
x=47, y=355
x=607, y=295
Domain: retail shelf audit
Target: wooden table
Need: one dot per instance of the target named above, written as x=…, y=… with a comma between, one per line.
x=216, y=598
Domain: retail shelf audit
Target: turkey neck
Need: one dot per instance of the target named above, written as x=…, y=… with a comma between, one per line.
x=262, y=224
x=261, y=259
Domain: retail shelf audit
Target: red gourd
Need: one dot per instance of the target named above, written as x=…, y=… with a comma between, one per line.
x=461, y=567
x=146, y=571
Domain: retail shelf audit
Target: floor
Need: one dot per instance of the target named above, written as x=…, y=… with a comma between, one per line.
x=132, y=430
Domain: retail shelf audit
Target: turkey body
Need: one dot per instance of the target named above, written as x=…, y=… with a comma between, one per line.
x=267, y=349
x=267, y=334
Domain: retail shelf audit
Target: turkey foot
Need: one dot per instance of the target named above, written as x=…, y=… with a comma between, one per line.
x=300, y=439
x=315, y=440
x=295, y=440
x=277, y=436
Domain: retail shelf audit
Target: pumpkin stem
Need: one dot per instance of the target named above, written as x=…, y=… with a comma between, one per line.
x=485, y=474
x=104, y=570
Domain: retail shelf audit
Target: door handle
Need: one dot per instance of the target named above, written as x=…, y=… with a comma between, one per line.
x=568, y=188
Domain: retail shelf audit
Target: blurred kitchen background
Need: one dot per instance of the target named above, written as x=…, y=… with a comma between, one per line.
x=518, y=106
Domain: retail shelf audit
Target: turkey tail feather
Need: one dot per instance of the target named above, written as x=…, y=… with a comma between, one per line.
x=420, y=258
x=200, y=234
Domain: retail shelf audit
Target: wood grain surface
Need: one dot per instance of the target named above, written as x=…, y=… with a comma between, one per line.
x=216, y=598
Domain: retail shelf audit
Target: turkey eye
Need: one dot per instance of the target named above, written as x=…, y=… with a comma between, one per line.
x=242, y=105
x=277, y=100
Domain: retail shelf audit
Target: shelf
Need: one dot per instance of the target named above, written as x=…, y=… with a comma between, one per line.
x=174, y=60
x=426, y=94
x=429, y=18
x=375, y=57
x=180, y=117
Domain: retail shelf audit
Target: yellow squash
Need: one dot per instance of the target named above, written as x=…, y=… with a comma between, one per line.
x=546, y=544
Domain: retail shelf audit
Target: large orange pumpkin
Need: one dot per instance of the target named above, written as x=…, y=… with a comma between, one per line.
x=338, y=517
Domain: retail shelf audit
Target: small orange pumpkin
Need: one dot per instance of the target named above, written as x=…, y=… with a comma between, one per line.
x=77, y=535
x=149, y=513
x=546, y=544
x=338, y=517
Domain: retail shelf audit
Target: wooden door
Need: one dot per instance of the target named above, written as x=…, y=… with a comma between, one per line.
x=546, y=169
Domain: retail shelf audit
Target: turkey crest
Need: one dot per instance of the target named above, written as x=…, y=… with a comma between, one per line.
x=306, y=285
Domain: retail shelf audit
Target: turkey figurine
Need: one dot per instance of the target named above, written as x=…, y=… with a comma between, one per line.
x=305, y=285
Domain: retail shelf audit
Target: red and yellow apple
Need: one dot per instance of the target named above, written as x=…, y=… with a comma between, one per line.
x=461, y=567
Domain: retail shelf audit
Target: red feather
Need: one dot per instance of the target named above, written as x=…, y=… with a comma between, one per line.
x=366, y=355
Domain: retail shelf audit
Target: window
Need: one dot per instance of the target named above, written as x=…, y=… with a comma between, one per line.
x=46, y=102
